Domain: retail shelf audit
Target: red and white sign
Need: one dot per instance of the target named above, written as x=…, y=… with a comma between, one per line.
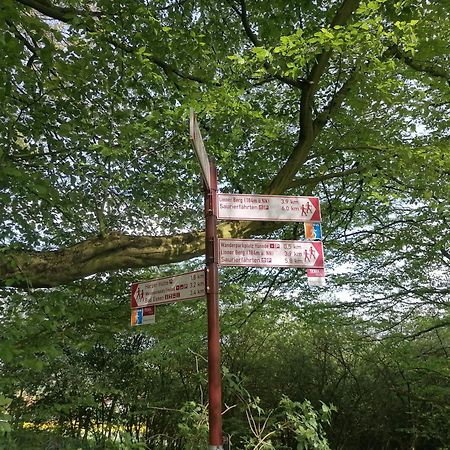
x=270, y=253
x=143, y=316
x=268, y=207
x=169, y=289
x=316, y=277
x=199, y=148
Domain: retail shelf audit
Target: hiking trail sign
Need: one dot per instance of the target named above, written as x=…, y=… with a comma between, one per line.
x=275, y=208
x=316, y=277
x=270, y=253
x=143, y=316
x=168, y=289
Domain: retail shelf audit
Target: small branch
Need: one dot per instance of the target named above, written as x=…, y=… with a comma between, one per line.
x=315, y=180
x=261, y=303
x=56, y=12
x=243, y=15
x=427, y=330
x=68, y=14
x=335, y=103
x=22, y=38
x=170, y=69
x=435, y=70
x=246, y=24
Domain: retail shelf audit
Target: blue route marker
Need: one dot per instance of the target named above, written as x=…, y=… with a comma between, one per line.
x=313, y=231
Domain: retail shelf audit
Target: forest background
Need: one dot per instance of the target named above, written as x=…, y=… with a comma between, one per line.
x=347, y=100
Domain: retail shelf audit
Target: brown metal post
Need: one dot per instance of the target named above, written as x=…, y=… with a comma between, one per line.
x=212, y=297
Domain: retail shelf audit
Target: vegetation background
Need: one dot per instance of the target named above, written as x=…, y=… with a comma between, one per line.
x=344, y=99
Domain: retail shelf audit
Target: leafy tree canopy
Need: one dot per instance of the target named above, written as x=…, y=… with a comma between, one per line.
x=344, y=99
x=347, y=100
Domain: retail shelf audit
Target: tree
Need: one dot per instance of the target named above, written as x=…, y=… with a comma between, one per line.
x=344, y=99
x=94, y=118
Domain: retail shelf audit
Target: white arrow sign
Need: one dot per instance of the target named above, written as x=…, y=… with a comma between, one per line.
x=199, y=147
x=270, y=253
x=169, y=289
x=268, y=207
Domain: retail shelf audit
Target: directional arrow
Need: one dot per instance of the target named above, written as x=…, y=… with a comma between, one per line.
x=169, y=289
x=270, y=253
x=199, y=148
x=268, y=207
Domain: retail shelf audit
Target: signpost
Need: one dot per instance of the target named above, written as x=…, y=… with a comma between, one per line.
x=232, y=252
x=168, y=289
x=268, y=207
x=212, y=299
x=270, y=253
x=209, y=174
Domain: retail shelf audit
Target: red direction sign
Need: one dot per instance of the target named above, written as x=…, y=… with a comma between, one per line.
x=169, y=289
x=199, y=148
x=270, y=253
x=268, y=207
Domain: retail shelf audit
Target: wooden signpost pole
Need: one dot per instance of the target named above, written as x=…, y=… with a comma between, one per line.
x=212, y=297
x=209, y=175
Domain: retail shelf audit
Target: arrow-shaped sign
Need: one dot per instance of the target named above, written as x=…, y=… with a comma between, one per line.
x=169, y=289
x=268, y=207
x=199, y=148
x=270, y=253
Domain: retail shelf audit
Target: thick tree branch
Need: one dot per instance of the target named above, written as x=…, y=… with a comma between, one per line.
x=114, y=251
x=50, y=10
x=432, y=69
x=309, y=129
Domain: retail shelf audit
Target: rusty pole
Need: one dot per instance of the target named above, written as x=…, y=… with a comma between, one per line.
x=212, y=298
